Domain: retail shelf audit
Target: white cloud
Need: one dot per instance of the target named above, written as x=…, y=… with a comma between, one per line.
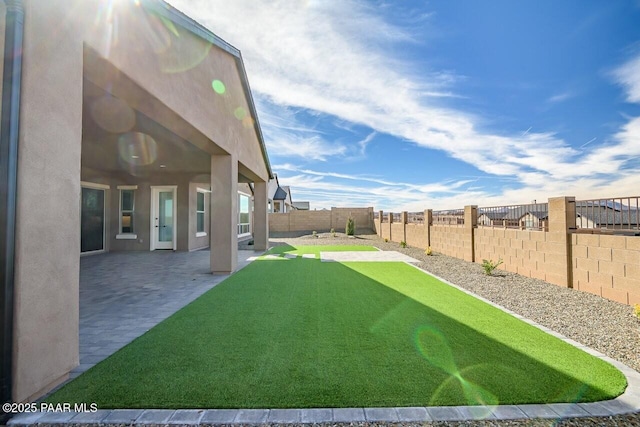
x=628, y=75
x=287, y=137
x=560, y=97
x=324, y=56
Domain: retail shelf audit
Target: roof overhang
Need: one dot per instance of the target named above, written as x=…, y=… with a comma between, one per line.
x=167, y=11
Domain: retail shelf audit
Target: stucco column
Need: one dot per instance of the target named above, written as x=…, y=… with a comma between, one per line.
x=260, y=217
x=224, y=214
x=380, y=219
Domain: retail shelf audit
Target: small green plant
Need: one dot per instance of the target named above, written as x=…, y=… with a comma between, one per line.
x=489, y=265
x=333, y=232
x=386, y=240
x=636, y=310
x=350, y=229
x=403, y=244
x=428, y=251
x=314, y=234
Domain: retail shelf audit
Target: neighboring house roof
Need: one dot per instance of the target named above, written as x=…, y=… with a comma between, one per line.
x=492, y=215
x=301, y=205
x=539, y=210
x=280, y=194
x=287, y=190
x=537, y=214
x=601, y=215
x=166, y=10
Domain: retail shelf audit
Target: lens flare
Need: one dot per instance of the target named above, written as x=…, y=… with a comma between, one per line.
x=113, y=114
x=177, y=50
x=240, y=113
x=136, y=150
x=218, y=87
x=433, y=346
x=247, y=122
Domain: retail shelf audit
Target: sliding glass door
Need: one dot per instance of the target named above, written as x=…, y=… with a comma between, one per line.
x=92, y=220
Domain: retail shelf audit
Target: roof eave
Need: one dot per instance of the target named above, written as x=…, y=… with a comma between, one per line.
x=166, y=10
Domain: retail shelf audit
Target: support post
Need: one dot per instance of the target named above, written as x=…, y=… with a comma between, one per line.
x=224, y=214
x=260, y=217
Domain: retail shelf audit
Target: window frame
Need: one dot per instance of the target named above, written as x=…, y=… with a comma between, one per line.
x=132, y=235
x=242, y=226
x=204, y=192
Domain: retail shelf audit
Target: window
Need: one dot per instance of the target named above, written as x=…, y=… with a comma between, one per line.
x=127, y=212
x=276, y=206
x=244, y=216
x=200, y=213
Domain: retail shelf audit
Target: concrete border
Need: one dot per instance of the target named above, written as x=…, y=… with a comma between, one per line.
x=626, y=403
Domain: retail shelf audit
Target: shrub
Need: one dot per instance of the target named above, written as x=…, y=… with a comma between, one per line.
x=636, y=310
x=333, y=232
x=403, y=244
x=386, y=240
x=350, y=229
x=428, y=251
x=489, y=266
x=314, y=234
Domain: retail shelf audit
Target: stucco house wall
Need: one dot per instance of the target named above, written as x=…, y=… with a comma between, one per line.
x=129, y=51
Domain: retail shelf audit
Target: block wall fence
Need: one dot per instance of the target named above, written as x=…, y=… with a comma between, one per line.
x=588, y=260
x=325, y=220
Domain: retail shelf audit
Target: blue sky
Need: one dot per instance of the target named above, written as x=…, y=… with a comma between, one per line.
x=407, y=105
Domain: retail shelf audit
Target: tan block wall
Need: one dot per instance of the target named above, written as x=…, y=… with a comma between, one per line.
x=319, y=221
x=529, y=253
x=602, y=264
x=278, y=222
x=452, y=240
x=397, y=232
x=309, y=220
x=608, y=266
x=362, y=216
x=376, y=227
x=416, y=235
x=386, y=230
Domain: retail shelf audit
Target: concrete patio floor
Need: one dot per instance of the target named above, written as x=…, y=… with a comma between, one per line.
x=124, y=294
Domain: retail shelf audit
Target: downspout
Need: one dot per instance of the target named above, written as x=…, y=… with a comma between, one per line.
x=9, y=134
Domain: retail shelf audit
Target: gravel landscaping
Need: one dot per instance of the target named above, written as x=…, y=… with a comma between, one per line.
x=603, y=325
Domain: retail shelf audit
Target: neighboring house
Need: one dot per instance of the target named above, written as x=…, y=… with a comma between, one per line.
x=491, y=218
x=301, y=206
x=533, y=216
x=534, y=220
x=606, y=214
x=126, y=126
x=279, y=197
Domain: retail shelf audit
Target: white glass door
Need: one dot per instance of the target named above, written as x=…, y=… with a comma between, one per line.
x=163, y=219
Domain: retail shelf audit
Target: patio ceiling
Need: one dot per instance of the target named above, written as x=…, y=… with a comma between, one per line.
x=119, y=138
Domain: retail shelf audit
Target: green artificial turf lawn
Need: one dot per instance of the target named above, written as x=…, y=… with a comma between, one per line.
x=301, y=333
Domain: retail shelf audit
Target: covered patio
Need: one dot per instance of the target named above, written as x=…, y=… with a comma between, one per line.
x=123, y=295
